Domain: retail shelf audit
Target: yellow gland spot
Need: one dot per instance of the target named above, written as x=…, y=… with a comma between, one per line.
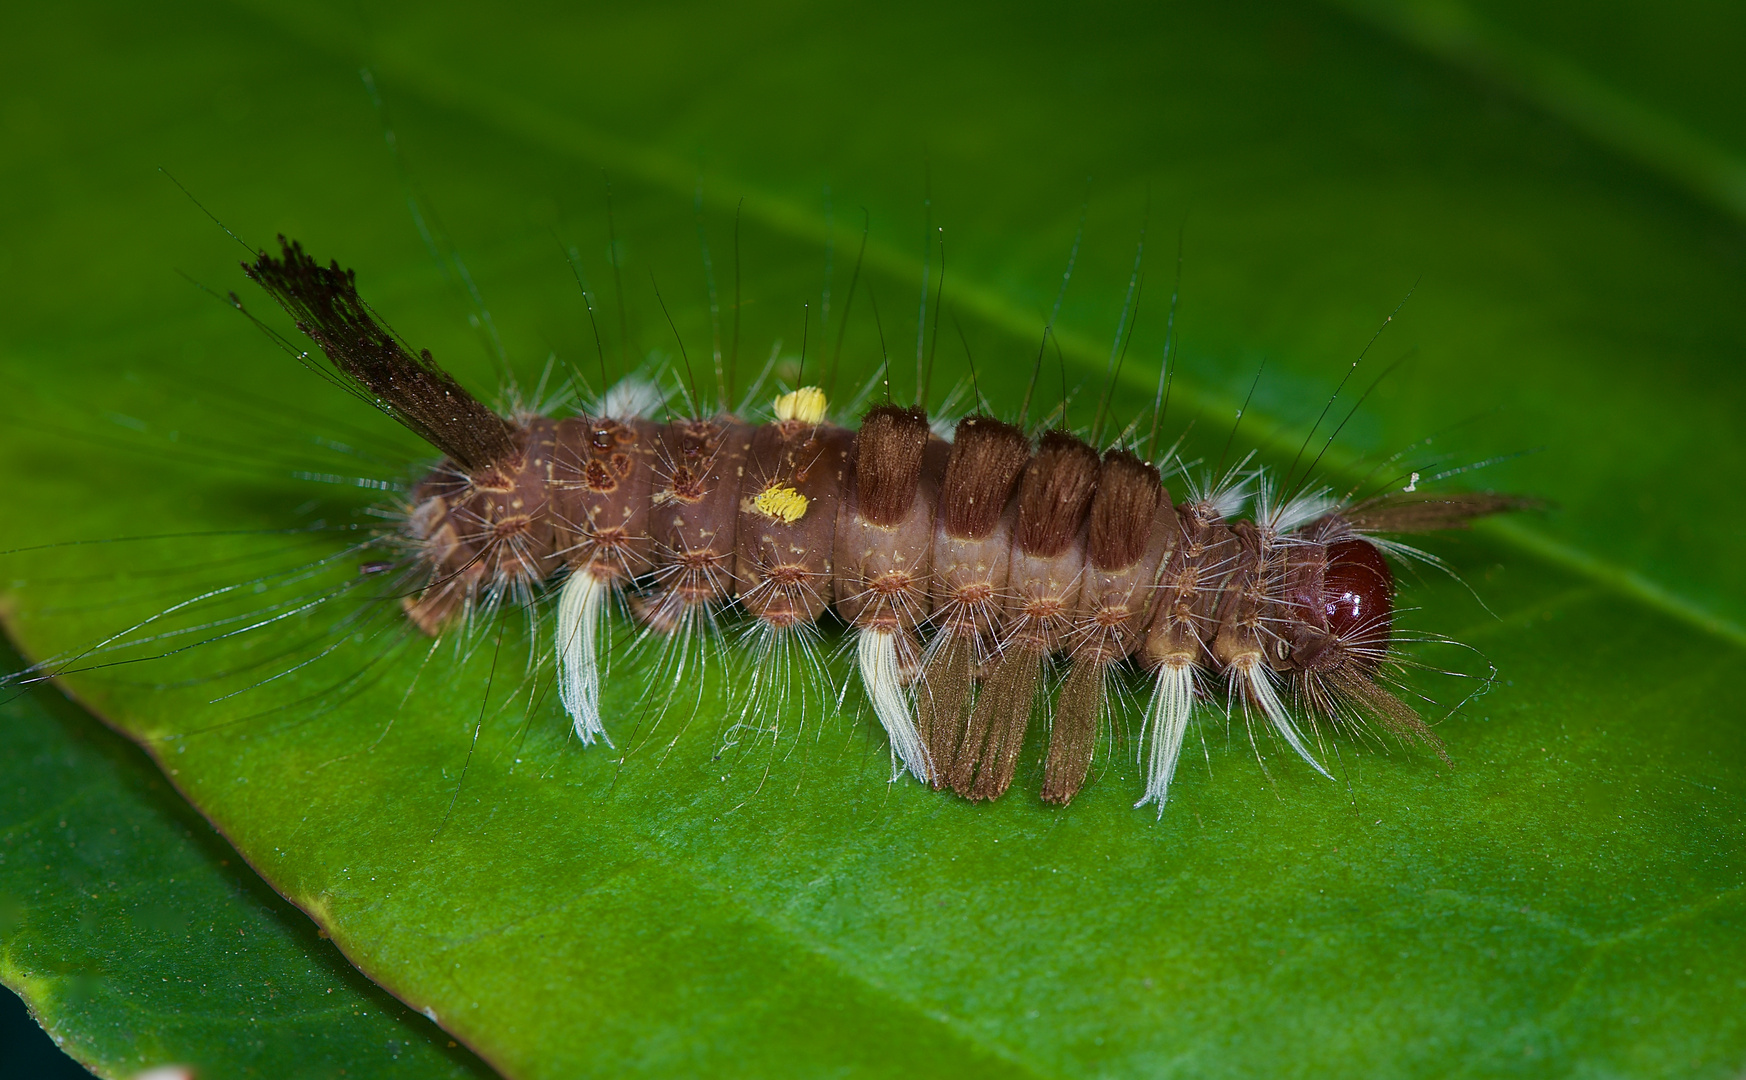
x=781, y=502
x=806, y=404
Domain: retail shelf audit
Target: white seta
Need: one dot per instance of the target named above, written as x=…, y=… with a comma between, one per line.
x=578, y=632
x=1166, y=725
x=1250, y=673
x=877, y=652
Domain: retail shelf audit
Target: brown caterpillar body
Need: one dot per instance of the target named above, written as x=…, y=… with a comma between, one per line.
x=961, y=568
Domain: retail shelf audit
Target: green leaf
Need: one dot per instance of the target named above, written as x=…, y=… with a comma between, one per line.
x=1566, y=900
x=140, y=938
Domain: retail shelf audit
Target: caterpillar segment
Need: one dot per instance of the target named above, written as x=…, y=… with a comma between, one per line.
x=1131, y=531
x=700, y=464
x=1174, y=648
x=1246, y=645
x=788, y=511
x=601, y=495
x=884, y=565
x=973, y=534
x=785, y=552
x=1040, y=594
x=964, y=569
x=486, y=535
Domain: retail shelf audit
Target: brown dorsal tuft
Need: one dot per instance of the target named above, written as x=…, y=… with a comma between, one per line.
x=888, y=462
x=1055, y=494
x=412, y=389
x=987, y=457
x=1128, y=492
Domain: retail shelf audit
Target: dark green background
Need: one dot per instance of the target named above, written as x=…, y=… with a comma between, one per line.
x=1563, y=192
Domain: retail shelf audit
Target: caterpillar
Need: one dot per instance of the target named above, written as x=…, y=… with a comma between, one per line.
x=967, y=563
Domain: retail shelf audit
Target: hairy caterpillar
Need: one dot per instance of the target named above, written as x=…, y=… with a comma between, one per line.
x=963, y=565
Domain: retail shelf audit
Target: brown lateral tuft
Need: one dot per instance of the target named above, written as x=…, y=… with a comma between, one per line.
x=987, y=457
x=1073, y=735
x=888, y=462
x=1395, y=714
x=989, y=754
x=941, y=695
x=1128, y=493
x=1055, y=493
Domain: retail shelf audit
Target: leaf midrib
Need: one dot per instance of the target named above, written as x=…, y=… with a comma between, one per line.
x=1454, y=35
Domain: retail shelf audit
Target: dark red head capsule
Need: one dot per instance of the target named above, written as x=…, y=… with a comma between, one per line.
x=1358, y=600
x=1342, y=610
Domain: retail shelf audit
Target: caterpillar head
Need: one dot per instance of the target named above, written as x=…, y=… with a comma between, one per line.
x=1348, y=613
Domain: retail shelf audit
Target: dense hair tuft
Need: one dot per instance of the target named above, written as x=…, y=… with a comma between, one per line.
x=415, y=391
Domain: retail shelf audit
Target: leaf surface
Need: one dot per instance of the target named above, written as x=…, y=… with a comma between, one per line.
x=1567, y=900
x=140, y=938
